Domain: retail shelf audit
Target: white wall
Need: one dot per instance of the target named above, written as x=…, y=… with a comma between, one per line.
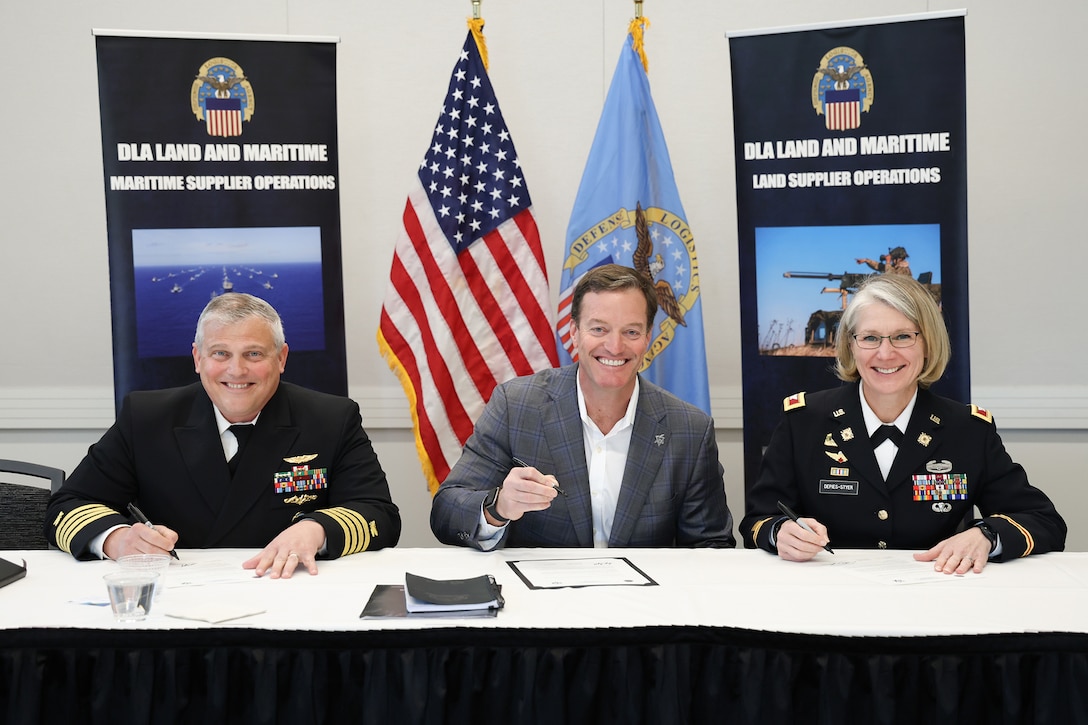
x=550, y=64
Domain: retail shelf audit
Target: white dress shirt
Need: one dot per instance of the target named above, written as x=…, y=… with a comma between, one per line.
x=606, y=459
x=885, y=452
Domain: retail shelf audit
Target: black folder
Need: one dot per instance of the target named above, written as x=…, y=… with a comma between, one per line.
x=10, y=572
x=477, y=597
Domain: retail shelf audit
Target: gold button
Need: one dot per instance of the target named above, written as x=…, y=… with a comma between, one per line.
x=882, y=515
x=882, y=544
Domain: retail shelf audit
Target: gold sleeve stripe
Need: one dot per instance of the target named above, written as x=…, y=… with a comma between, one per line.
x=759, y=525
x=1022, y=530
x=356, y=529
x=70, y=524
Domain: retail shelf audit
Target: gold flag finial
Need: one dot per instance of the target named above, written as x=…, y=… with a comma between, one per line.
x=636, y=29
x=476, y=25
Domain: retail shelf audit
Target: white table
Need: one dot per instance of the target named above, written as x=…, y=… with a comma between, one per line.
x=769, y=640
x=696, y=587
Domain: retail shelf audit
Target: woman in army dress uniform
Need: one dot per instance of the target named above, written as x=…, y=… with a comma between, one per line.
x=885, y=463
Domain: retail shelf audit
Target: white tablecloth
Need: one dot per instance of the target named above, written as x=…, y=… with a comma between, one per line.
x=702, y=587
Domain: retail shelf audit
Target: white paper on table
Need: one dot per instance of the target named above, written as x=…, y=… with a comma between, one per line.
x=215, y=613
x=894, y=570
x=200, y=573
x=559, y=573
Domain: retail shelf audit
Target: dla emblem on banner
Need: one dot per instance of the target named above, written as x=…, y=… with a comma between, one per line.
x=222, y=97
x=842, y=89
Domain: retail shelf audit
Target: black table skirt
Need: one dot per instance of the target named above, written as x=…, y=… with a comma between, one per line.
x=659, y=675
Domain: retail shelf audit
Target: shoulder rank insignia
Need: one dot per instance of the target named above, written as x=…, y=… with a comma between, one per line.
x=797, y=400
x=305, y=458
x=981, y=413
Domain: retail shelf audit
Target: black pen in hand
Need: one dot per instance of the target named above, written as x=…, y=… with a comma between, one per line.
x=795, y=519
x=523, y=464
x=146, y=522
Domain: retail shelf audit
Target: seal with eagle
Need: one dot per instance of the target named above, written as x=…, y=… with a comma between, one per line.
x=221, y=84
x=643, y=263
x=841, y=75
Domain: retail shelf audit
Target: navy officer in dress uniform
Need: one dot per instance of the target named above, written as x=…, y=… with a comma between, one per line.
x=238, y=459
x=885, y=463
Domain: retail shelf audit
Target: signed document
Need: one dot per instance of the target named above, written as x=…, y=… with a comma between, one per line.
x=182, y=574
x=560, y=573
x=893, y=570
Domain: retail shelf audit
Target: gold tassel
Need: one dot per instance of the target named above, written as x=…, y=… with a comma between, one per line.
x=636, y=28
x=476, y=25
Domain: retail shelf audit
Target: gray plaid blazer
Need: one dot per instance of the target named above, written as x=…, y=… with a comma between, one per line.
x=672, y=494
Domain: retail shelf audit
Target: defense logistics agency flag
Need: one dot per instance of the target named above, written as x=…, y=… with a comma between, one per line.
x=468, y=291
x=628, y=211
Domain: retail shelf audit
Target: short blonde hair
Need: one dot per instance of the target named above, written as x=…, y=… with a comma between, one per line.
x=913, y=301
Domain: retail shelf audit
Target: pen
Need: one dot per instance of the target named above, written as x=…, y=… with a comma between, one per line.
x=523, y=464
x=146, y=522
x=793, y=517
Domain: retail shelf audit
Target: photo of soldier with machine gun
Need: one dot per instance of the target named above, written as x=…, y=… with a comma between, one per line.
x=817, y=339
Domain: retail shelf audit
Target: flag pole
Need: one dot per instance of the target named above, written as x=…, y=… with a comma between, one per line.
x=636, y=28
x=476, y=25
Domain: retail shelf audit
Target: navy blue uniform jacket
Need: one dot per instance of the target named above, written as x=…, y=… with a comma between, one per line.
x=164, y=454
x=861, y=510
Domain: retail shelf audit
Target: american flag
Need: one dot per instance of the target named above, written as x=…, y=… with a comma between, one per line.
x=466, y=307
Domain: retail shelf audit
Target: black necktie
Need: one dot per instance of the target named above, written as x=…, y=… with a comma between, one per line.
x=241, y=432
x=886, y=432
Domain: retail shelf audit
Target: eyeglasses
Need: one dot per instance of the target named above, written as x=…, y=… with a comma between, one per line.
x=899, y=339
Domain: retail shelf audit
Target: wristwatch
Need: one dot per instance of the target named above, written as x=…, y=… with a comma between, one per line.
x=491, y=507
x=988, y=532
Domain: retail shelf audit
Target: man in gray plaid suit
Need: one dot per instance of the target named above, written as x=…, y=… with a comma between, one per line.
x=589, y=454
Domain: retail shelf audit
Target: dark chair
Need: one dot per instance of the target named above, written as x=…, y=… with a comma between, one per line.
x=22, y=506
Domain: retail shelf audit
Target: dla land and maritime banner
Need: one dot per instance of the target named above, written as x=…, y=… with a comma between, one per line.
x=221, y=175
x=851, y=160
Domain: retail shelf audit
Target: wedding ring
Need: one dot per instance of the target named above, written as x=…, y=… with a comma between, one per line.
x=292, y=554
x=969, y=559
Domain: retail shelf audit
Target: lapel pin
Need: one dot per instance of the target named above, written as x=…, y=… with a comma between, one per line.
x=924, y=438
x=839, y=413
x=659, y=439
x=829, y=441
x=847, y=434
